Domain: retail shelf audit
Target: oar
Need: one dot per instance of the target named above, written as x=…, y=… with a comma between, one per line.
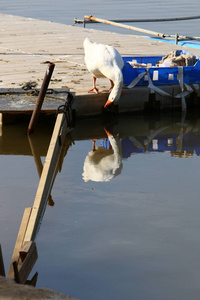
x=150, y=32
x=124, y=26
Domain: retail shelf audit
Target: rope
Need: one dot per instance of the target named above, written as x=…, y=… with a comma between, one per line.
x=185, y=88
x=65, y=108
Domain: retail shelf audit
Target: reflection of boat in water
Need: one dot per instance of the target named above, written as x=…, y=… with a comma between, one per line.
x=162, y=143
x=138, y=134
x=180, y=139
x=184, y=143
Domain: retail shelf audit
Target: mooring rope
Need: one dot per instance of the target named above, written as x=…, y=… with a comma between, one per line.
x=65, y=108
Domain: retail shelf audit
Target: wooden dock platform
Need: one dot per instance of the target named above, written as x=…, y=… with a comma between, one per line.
x=26, y=44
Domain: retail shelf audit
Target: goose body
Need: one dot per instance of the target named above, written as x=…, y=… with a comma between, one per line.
x=104, y=61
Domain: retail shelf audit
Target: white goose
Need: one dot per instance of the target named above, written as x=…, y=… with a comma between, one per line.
x=104, y=61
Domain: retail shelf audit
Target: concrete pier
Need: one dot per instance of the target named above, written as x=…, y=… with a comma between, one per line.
x=26, y=44
x=9, y=290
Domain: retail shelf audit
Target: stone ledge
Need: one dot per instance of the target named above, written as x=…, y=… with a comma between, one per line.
x=9, y=290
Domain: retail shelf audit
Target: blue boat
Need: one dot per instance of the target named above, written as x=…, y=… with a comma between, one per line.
x=149, y=72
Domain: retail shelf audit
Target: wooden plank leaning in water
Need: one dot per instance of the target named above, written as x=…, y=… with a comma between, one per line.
x=25, y=251
x=60, y=131
x=20, y=240
x=28, y=256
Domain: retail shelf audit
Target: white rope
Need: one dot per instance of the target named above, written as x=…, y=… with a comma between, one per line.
x=185, y=88
x=136, y=80
x=155, y=88
x=181, y=83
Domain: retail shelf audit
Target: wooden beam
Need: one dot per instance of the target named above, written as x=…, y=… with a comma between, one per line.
x=28, y=255
x=38, y=163
x=19, y=241
x=60, y=130
x=23, y=267
x=33, y=280
x=1, y=119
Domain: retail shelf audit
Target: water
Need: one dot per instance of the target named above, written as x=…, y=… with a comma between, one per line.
x=135, y=236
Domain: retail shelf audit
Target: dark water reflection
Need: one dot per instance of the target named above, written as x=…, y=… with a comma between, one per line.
x=125, y=223
x=134, y=135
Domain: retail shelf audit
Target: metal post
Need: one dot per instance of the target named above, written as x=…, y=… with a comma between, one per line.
x=40, y=99
x=176, y=38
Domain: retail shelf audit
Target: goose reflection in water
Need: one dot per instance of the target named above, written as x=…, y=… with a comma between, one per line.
x=103, y=164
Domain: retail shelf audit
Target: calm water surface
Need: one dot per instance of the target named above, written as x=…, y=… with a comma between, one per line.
x=135, y=235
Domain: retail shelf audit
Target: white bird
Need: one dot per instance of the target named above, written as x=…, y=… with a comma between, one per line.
x=103, y=164
x=104, y=61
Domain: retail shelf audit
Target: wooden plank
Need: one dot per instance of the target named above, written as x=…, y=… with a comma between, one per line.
x=20, y=240
x=28, y=255
x=22, y=269
x=38, y=162
x=33, y=280
x=41, y=96
x=60, y=130
x=16, y=273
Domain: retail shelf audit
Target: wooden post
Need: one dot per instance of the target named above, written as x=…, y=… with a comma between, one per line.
x=40, y=99
x=1, y=119
x=2, y=269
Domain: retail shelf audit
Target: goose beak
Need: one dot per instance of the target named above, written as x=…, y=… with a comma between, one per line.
x=108, y=103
